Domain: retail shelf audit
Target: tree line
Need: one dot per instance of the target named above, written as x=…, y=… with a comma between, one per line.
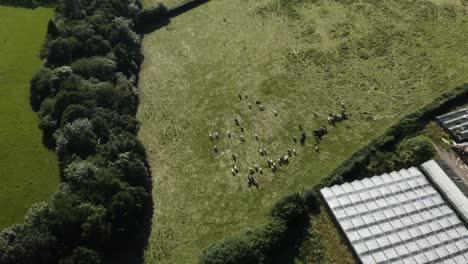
x=86, y=98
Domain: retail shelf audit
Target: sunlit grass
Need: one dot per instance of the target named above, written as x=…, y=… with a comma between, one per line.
x=28, y=171
x=382, y=59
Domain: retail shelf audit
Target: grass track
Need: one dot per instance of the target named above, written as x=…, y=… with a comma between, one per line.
x=383, y=59
x=28, y=171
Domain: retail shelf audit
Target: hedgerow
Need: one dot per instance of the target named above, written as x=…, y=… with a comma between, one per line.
x=86, y=98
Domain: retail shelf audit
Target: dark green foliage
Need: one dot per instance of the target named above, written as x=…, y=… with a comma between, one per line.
x=40, y=87
x=82, y=255
x=100, y=68
x=74, y=112
x=151, y=16
x=52, y=30
x=312, y=201
x=287, y=224
x=414, y=151
x=86, y=98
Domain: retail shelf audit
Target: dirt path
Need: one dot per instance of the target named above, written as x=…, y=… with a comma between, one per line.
x=455, y=163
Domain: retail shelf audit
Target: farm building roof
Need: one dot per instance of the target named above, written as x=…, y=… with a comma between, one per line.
x=400, y=217
x=456, y=123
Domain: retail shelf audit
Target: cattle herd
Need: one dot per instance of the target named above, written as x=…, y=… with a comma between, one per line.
x=281, y=160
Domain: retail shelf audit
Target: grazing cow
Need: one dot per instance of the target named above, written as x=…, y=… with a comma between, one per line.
x=258, y=102
x=236, y=121
x=211, y=136
x=286, y=160
x=252, y=181
x=216, y=135
x=331, y=120
x=215, y=148
x=234, y=157
x=260, y=170
x=260, y=151
x=303, y=138
x=343, y=105
x=250, y=106
x=261, y=107
x=233, y=172
x=294, y=139
x=294, y=151
x=242, y=129
x=240, y=97
x=289, y=152
x=251, y=171
x=242, y=138
x=229, y=133
x=275, y=113
x=256, y=137
x=256, y=168
x=300, y=127
x=245, y=96
x=236, y=169
x=317, y=149
x=344, y=114
x=273, y=168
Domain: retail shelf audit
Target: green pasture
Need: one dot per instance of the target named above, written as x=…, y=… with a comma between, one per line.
x=28, y=171
x=381, y=59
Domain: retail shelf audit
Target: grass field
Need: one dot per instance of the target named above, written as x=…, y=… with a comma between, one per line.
x=382, y=59
x=28, y=171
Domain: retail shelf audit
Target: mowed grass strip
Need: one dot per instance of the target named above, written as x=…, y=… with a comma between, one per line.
x=382, y=59
x=28, y=171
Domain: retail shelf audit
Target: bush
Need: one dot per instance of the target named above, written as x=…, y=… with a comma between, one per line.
x=414, y=151
x=287, y=223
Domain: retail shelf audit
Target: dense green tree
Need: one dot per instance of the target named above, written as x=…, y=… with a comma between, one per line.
x=40, y=87
x=82, y=255
x=100, y=68
x=76, y=138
